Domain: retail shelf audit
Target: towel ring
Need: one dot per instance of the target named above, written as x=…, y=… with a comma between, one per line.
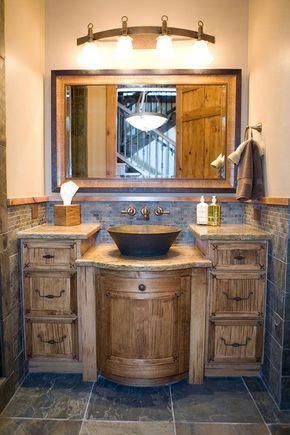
x=258, y=127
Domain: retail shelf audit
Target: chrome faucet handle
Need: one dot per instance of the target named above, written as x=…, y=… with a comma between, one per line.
x=145, y=213
x=131, y=211
x=159, y=211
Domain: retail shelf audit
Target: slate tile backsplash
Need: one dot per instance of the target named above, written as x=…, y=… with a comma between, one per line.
x=275, y=368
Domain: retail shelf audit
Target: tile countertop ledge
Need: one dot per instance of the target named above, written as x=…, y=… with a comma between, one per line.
x=76, y=232
x=108, y=256
x=228, y=232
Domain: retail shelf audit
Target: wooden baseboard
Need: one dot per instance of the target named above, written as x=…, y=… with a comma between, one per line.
x=55, y=366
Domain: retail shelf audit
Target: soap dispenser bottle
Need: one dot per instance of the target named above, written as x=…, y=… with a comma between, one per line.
x=202, y=212
x=214, y=213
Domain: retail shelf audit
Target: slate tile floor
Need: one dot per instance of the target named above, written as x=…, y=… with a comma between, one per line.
x=57, y=404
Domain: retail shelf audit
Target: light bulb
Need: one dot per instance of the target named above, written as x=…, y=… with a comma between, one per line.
x=164, y=46
x=124, y=46
x=202, y=57
x=89, y=56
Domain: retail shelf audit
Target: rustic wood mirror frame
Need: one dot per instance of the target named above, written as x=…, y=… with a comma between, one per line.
x=60, y=79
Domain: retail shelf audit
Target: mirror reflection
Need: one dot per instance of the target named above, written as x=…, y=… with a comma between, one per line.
x=141, y=131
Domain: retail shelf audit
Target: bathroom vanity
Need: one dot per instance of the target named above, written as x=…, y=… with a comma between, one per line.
x=144, y=321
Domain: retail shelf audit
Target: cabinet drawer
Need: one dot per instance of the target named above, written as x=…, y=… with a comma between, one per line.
x=238, y=256
x=232, y=341
x=51, y=338
x=143, y=285
x=49, y=255
x=50, y=293
x=233, y=293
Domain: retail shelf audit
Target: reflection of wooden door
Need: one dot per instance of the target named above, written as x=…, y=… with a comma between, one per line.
x=111, y=131
x=200, y=125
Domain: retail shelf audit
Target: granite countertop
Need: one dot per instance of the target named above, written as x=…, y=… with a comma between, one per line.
x=228, y=232
x=108, y=256
x=46, y=231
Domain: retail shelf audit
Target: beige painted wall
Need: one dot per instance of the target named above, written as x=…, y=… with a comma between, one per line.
x=24, y=33
x=269, y=87
x=67, y=19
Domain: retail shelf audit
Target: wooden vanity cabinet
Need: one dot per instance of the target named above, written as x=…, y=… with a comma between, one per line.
x=236, y=305
x=143, y=326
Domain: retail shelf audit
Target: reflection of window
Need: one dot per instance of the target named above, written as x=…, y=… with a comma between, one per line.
x=146, y=154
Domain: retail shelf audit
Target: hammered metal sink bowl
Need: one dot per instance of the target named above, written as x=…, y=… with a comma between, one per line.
x=144, y=240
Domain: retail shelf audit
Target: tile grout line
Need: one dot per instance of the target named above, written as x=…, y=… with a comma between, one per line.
x=16, y=391
x=172, y=410
x=250, y=394
x=87, y=407
x=271, y=395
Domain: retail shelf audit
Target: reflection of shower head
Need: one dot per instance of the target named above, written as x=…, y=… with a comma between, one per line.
x=219, y=162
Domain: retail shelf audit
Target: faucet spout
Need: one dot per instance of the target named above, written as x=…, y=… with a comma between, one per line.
x=145, y=213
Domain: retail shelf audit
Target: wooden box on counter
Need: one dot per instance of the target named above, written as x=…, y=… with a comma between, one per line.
x=65, y=215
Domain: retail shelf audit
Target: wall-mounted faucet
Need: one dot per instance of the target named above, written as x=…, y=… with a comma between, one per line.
x=145, y=213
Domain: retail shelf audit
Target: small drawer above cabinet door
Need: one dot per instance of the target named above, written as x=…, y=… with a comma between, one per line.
x=40, y=255
x=234, y=294
x=232, y=341
x=51, y=338
x=50, y=293
x=240, y=256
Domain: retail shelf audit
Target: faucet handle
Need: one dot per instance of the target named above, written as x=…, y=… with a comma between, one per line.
x=159, y=211
x=131, y=211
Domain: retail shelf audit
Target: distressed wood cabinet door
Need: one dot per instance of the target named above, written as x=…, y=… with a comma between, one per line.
x=144, y=335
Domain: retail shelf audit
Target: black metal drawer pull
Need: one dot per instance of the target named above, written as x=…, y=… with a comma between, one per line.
x=48, y=256
x=236, y=344
x=49, y=296
x=52, y=341
x=142, y=287
x=239, y=257
x=238, y=298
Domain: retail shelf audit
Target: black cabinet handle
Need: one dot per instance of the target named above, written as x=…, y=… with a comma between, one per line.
x=238, y=298
x=142, y=287
x=52, y=341
x=49, y=296
x=48, y=256
x=239, y=257
x=236, y=344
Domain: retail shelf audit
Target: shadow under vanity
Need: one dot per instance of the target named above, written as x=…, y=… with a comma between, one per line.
x=199, y=310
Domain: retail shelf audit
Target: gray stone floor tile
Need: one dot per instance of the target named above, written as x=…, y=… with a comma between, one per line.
x=216, y=400
x=93, y=427
x=279, y=429
x=9, y=426
x=221, y=429
x=110, y=401
x=50, y=396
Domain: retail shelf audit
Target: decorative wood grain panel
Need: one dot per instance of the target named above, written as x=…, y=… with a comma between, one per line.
x=238, y=256
x=50, y=255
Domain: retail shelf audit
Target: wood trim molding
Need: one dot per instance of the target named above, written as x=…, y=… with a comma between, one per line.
x=25, y=201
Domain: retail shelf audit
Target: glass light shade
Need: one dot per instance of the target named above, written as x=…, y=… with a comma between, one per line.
x=89, y=56
x=202, y=57
x=147, y=121
x=124, y=46
x=164, y=46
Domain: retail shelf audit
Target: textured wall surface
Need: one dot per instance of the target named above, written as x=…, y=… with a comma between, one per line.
x=276, y=366
x=181, y=214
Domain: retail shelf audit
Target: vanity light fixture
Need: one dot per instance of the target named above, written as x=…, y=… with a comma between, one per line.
x=89, y=55
x=128, y=36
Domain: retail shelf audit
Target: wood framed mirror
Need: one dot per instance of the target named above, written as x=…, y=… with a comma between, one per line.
x=145, y=130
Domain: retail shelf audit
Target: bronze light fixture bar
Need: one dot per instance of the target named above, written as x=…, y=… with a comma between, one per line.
x=142, y=30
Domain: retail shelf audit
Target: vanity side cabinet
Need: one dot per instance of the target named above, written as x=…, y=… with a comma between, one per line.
x=49, y=281
x=236, y=306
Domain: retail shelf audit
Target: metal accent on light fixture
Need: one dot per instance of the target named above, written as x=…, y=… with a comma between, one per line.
x=141, y=30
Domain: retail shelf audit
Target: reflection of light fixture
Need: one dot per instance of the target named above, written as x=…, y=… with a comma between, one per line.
x=89, y=55
x=146, y=121
x=164, y=41
x=201, y=54
x=124, y=44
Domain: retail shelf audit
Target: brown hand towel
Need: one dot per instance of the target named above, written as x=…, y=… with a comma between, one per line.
x=250, y=174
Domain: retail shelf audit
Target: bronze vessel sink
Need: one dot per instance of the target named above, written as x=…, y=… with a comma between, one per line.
x=144, y=240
